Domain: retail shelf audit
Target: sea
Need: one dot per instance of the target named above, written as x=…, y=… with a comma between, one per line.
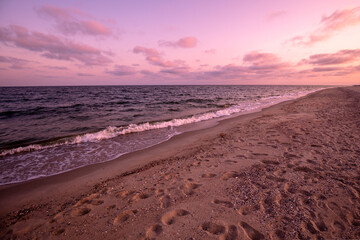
x=46, y=131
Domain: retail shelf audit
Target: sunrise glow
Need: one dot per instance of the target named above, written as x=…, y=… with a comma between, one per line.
x=46, y=43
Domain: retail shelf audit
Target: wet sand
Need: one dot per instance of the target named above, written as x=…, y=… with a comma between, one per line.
x=291, y=171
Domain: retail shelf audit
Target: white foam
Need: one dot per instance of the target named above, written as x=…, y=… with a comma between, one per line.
x=111, y=131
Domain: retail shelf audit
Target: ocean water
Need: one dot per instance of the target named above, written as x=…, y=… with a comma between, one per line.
x=49, y=130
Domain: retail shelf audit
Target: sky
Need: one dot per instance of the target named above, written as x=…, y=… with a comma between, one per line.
x=171, y=42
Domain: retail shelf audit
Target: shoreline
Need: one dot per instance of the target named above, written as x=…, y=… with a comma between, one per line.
x=70, y=187
x=196, y=126
x=177, y=138
x=99, y=171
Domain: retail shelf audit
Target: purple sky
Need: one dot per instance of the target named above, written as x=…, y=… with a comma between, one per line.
x=179, y=42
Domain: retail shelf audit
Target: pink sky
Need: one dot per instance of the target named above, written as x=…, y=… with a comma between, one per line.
x=179, y=42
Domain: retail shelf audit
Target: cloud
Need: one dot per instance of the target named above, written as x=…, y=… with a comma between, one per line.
x=326, y=69
x=51, y=46
x=154, y=57
x=340, y=57
x=56, y=67
x=329, y=25
x=176, y=71
x=258, y=58
x=257, y=65
x=148, y=73
x=15, y=63
x=85, y=75
x=68, y=23
x=186, y=42
x=122, y=70
x=258, y=61
x=210, y=51
x=275, y=15
x=256, y=68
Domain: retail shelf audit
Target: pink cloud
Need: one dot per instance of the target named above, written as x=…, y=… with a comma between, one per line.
x=258, y=61
x=56, y=67
x=68, y=23
x=122, y=70
x=340, y=57
x=258, y=58
x=51, y=46
x=154, y=57
x=326, y=69
x=275, y=15
x=329, y=25
x=15, y=63
x=176, y=71
x=85, y=75
x=186, y=42
x=257, y=67
x=210, y=51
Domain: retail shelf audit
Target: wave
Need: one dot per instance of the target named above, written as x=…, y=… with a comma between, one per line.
x=39, y=110
x=112, y=131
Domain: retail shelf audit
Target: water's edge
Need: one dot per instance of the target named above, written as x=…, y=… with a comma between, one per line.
x=182, y=129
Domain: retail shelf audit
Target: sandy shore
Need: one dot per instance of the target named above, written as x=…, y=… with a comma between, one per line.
x=291, y=171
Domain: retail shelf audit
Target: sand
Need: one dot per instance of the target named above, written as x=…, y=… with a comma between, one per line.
x=291, y=171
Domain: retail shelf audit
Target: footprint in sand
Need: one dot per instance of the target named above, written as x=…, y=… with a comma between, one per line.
x=212, y=228
x=58, y=232
x=307, y=201
x=277, y=235
x=96, y=202
x=125, y=193
x=288, y=155
x=280, y=198
x=255, y=154
x=319, y=201
x=139, y=196
x=338, y=226
x=124, y=216
x=165, y=201
x=230, y=161
x=274, y=178
x=223, y=203
x=303, y=169
x=231, y=233
x=246, y=210
x=290, y=187
x=321, y=225
x=208, y=175
x=92, y=199
x=305, y=193
x=266, y=204
x=270, y=162
x=80, y=211
x=159, y=192
x=280, y=172
x=230, y=174
x=169, y=217
x=251, y=232
x=310, y=227
x=153, y=231
x=337, y=210
x=188, y=188
x=353, y=191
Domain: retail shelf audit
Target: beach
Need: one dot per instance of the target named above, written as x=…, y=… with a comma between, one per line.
x=290, y=171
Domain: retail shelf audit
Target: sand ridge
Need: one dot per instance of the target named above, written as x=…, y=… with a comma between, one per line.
x=291, y=172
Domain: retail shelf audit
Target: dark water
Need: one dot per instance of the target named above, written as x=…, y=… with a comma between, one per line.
x=48, y=130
